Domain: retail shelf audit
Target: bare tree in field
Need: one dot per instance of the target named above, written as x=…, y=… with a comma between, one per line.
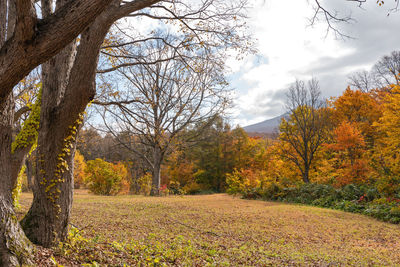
x=305, y=130
x=168, y=92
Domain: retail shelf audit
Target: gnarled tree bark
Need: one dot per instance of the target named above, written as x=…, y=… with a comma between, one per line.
x=15, y=248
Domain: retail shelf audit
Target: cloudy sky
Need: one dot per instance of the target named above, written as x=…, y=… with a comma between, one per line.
x=290, y=49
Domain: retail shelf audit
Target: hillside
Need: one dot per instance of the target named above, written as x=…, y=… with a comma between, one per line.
x=220, y=230
x=269, y=126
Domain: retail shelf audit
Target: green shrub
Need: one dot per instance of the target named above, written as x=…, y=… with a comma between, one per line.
x=272, y=191
x=351, y=192
x=351, y=198
x=104, y=178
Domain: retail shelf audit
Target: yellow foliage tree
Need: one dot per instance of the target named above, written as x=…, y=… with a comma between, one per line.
x=105, y=178
x=79, y=170
x=387, y=149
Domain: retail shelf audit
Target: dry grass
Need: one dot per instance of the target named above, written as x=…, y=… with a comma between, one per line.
x=223, y=231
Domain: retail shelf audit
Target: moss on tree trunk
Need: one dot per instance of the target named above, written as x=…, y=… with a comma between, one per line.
x=15, y=248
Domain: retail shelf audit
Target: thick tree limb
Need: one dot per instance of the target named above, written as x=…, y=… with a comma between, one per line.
x=21, y=112
x=26, y=50
x=26, y=19
x=133, y=6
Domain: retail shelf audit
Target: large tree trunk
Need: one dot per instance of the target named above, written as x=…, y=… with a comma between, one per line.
x=68, y=87
x=48, y=218
x=33, y=43
x=15, y=248
x=306, y=174
x=157, y=160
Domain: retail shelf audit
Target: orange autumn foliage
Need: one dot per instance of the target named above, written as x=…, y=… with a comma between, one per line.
x=359, y=108
x=179, y=169
x=348, y=138
x=350, y=155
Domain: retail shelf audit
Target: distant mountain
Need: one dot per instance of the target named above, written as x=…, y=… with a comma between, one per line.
x=267, y=127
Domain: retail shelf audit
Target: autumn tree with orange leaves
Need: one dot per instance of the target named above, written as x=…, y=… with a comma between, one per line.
x=350, y=155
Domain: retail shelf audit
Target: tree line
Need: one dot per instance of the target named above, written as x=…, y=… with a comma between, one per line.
x=338, y=153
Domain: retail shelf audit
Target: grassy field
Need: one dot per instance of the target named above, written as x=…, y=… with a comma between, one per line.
x=220, y=230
